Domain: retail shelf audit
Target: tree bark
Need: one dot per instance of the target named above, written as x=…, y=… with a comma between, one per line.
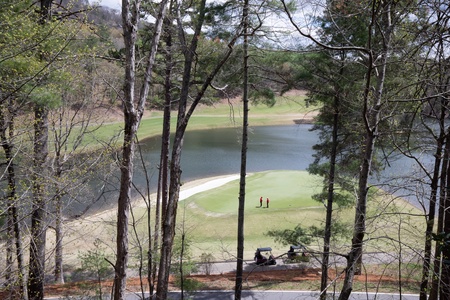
x=330, y=196
x=59, y=275
x=170, y=210
x=444, y=291
x=371, y=116
x=133, y=111
x=7, y=134
x=36, y=271
x=243, y=171
x=438, y=174
x=163, y=176
x=169, y=214
x=441, y=141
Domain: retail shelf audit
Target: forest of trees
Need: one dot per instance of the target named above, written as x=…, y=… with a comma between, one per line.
x=378, y=69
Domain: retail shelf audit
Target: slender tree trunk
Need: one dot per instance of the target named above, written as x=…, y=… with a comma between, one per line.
x=7, y=134
x=163, y=178
x=183, y=240
x=170, y=210
x=59, y=275
x=59, y=278
x=436, y=278
x=430, y=217
x=430, y=225
x=19, y=255
x=169, y=220
x=444, y=284
x=330, y=197
x=9, y=279
x=36, y=271
x=243, y=172
x=123, y=209
x=58, y=272
x=133, y=111
x=131, y=122
x=444, y=290
x=371, y=116
x=169, y=214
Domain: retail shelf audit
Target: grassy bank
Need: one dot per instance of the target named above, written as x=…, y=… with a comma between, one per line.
x=287, y=110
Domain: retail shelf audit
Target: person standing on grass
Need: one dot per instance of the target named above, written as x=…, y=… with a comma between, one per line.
x=260, y=202
x=267, y=202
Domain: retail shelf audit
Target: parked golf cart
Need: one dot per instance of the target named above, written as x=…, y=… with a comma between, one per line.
x=264, y=257
x=297, y=253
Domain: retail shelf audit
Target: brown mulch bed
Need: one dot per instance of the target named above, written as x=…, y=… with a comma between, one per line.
x=221, y=281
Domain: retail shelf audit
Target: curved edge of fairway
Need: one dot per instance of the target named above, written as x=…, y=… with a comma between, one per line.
x=211, y=214
x=285, y=189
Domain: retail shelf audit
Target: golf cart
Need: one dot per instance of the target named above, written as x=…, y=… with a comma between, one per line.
x=262, y=260
x=297, y=253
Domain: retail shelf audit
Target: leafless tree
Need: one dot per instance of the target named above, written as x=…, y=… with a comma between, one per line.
x=169, y=210
x=133, y=108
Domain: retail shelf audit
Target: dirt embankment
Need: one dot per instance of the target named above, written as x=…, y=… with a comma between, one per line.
x=298, y=279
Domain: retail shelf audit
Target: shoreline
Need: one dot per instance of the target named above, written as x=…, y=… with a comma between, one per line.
x=187, y=190
x=201, y=185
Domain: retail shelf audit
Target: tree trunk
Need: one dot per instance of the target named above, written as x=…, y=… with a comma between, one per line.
x=131, y=122
x=36, y=271
x=434, y=291
x=444, y=290
x=163, y=178
x=133, y=111
x=330, y=197
x=7, y=134
x=169, y=219
x=371, y=116
x=123, y=209
x=170, y=211
x=59, y=275
x=440, y=86
x=9, y=280
x=243, y=172
x=169, y=214
x=441, y=277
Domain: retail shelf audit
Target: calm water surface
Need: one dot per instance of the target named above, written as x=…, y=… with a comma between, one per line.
x=216, y=152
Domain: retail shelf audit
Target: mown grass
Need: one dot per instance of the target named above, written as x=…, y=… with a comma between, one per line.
x=209, y=218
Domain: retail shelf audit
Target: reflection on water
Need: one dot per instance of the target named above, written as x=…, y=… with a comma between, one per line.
x=215, y=152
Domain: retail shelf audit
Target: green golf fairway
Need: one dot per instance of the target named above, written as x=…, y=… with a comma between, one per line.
x=285, y=189
x=210, y=217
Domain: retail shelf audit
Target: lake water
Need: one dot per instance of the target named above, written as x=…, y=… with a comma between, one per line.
x=215, y=152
